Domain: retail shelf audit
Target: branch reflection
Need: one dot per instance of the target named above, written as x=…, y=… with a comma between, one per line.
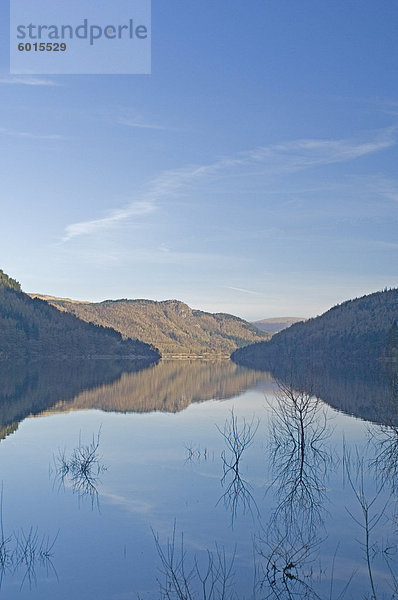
x=384, y=440
x=238, y=436
x=82, y=470
x=299, y=463
x=299, y=456
x=24, y=552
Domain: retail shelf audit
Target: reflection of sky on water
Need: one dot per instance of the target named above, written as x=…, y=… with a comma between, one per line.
x=110, y=553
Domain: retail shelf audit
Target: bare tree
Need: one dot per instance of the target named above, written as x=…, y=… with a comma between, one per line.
x=238, y=437
x=289, y=545
x=384, y=439
x=373, y=509
x=184, y=579
x=82, y=469
x=24, y=552
x=299, y=456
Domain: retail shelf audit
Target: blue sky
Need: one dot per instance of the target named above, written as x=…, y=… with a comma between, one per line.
x=254, y=172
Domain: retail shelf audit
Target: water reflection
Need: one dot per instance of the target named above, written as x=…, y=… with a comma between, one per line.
x=384, y=440
x=368, y=391
x=238, y=437
x=372, y=510
x=188, y=578
x=29, y=388
x=195, y=453
x=171, y=386
x=287, y=566
x=81, y=470
x=290, y=563
x=299, y=462
x=385, y=463
x=298, y=523
x=23, y=552
x=299, y=455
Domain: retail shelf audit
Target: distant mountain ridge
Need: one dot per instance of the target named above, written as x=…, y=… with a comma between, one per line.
x=276, y=324
x=31, y=328
x=170, y=325
x=356, y=331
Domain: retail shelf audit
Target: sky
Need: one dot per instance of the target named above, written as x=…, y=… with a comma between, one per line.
x=253, y=172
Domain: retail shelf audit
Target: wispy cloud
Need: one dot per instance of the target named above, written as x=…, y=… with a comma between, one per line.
x=243, y=290
x=138, y=122
x=386, y=187
x=30, y=135
x=306, y=153
x=271, y=160
x=278, y=158
x=131, y=118
x=136, y=209
x=28, y=80
x=128, y=117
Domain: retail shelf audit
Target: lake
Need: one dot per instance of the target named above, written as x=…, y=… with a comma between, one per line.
x=133, y=481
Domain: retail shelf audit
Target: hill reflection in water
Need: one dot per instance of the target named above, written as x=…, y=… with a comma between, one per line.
x=367, y=392
x=29, y=389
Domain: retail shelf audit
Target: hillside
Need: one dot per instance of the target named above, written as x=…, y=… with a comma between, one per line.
x=171, y=326
x=31, y=328
x=9, y=282
x=357, y=331
x=276, y=324
x=391, y=350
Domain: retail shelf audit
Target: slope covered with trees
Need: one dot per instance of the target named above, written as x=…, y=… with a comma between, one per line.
x=391, y=351
x=9, y=282
x=171, y=326
x=31, y=328
x=359, y=331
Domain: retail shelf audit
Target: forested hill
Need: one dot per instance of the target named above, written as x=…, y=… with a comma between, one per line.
x=171, y=326
x=357, y=331
x=31, y=328
x=9, y=282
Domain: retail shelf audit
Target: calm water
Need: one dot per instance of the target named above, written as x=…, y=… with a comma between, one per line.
x=99, y=466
